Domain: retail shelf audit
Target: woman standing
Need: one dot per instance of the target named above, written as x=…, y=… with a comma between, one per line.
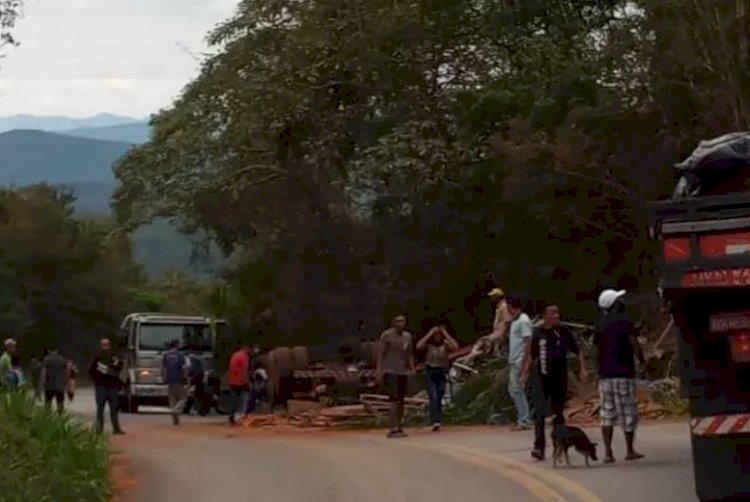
x=438, y=344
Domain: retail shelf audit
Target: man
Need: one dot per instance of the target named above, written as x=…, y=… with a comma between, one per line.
x=105, y=369
x=175, y=374
x=547, y=365
x=519, y=346
x=395, y=364
x=35, y=375
x=55, y=379
x=6, y=363
x=239, y=380
x=617, y=345
x=502, y=318
x=201, y=401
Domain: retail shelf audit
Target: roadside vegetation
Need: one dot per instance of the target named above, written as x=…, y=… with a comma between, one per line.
x=47, y=457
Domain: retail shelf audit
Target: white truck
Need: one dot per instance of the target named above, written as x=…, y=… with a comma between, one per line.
x=144, y=337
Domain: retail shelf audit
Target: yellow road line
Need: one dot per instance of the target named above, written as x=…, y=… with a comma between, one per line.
x=551, y=478
x=498, y=465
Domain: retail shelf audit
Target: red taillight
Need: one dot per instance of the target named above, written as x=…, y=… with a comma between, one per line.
x=720, y=245
x=677, y=249
x=740, y=343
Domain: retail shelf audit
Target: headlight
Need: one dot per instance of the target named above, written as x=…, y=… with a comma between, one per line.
x=147, y=376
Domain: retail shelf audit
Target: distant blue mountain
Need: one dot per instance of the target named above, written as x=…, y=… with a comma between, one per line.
x=54, y=123
x=133, y=132
x=85, y=166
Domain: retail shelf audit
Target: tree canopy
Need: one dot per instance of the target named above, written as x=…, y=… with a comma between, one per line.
x=359, y=158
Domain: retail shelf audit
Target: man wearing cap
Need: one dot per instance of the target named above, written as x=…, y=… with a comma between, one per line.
x=6, y=362
x=617, y=347
x=502, y=318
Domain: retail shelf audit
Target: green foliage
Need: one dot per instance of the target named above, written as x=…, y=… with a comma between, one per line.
x=482, y=397
x=66, y=281
x=357, y=159
x=49, y=458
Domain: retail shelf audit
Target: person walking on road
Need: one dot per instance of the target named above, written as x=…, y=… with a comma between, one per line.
x=617, y=346
x=395, y=364
x=239, y=380
x=7, y=376
x=546, y=368
x=519, y=346
x=438, y=344
x=105, y=369
x=175, y=374
x=55, y=379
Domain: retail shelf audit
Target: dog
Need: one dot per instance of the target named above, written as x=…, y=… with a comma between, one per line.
x=564, y=437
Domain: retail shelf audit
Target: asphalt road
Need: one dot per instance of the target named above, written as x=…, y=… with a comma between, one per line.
x=203, y=460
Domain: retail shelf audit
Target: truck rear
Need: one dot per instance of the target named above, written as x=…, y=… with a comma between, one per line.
x=704, y=234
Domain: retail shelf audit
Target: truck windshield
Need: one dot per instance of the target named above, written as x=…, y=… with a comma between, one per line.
x=158, y=336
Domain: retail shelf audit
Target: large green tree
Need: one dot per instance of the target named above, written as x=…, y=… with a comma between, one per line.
x=359, y=158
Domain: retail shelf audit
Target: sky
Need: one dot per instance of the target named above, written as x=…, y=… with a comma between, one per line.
x=84, y=57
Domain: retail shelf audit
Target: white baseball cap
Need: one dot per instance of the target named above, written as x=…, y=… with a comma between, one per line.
x=608, y=297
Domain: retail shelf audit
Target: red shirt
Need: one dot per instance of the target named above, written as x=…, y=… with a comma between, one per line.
x=239, y=369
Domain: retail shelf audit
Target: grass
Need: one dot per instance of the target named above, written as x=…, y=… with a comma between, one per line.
x=45, y=457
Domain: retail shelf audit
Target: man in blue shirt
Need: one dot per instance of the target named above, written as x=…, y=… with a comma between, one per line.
x=175, y=373
x=519, y=345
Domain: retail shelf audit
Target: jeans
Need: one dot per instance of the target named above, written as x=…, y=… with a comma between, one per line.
x=548, y=394
x=436, y=378
x=518, y=395
x=177, y=396
x=106, y=395
x=239, y=401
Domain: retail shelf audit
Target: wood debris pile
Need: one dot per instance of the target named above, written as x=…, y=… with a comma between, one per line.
x=586, y=410
x=372, y=405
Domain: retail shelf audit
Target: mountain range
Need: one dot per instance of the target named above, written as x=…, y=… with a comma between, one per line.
x=79, y=154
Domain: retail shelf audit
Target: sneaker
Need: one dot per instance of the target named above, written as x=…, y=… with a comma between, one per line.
x=397, y=434
x=537, y=455
x=436, y=427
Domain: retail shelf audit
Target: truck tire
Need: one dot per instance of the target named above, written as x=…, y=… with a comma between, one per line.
x=300, y=358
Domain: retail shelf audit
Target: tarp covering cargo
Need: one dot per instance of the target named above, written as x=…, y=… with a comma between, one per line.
x=718, y=166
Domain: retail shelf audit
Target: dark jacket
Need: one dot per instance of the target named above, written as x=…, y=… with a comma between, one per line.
x=105, y=370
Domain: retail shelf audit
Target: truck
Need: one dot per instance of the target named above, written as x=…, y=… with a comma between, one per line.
x=143, y=338
x=704, y=276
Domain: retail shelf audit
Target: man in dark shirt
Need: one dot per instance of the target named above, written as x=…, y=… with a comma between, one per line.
x=55, y=379
x=547, y=367
x=175, y=375
x=105, y=369
x=618, y=347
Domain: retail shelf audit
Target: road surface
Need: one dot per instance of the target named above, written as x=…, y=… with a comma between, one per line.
x=204, y=461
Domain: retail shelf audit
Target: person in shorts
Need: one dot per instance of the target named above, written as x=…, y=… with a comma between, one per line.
x=395, y=364
x=617, y=347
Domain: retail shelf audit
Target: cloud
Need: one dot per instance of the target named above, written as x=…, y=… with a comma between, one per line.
x=82, y=57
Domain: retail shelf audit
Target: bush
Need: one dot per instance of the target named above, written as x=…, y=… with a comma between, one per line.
x=47, y=457
x=482, y=398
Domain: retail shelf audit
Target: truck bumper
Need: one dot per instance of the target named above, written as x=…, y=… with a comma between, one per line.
x=721, y=456
x=149, y=391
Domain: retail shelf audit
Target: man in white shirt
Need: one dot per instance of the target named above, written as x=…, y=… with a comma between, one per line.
x=519, y=345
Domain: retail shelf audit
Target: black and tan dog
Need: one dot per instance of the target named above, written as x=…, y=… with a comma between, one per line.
x=564, y=437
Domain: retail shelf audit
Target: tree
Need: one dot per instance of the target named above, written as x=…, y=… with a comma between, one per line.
x=10, y=10
x=356, y=159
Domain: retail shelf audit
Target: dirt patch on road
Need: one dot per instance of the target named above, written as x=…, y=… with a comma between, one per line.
x=122, y=477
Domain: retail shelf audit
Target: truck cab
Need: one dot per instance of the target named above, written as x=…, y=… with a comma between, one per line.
x=704, y=274
x=145, y=337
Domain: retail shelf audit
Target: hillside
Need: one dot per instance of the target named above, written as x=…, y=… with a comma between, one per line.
x=34, y=156
x=134, y=132
x=55, y=123
x=85, y=166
